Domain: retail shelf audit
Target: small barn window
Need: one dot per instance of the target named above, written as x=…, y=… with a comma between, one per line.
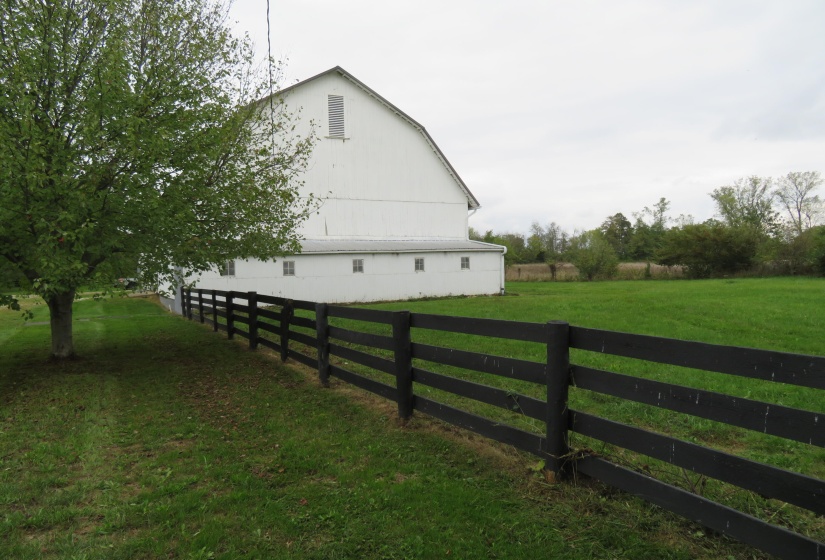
x=419, y=264
x=228, y=268
x=289, y=268
x=357, y=265
x=335, y=104
x=465, y=263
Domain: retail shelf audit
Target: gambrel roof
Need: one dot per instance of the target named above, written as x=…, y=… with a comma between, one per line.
x=472, y=202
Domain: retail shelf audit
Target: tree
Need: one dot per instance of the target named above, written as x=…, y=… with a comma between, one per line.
x=9, y=277
x=535, y=248
x=618, y=231
x=514, y=242
x=795, y=193
x=709, y=249
x=553, y=240
x=797, y=253
x=747, y=203
x=658, y=214
x=816, y=254
x=647, y=237
x=516, y=248
x=593, y=256
x=130, y=132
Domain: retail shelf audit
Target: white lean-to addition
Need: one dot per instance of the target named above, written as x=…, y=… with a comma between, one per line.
x=392, y=221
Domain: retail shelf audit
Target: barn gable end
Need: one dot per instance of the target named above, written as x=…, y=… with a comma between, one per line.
x=378, y=172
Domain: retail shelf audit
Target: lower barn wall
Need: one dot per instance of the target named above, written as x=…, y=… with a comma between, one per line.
x=387, y=276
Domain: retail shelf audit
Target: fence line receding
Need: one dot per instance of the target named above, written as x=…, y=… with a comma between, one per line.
x=301, y=330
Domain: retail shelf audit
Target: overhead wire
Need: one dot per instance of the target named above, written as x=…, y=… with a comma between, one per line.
x=271, y=84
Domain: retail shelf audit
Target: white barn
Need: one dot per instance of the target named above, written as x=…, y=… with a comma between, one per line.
x=393, y=220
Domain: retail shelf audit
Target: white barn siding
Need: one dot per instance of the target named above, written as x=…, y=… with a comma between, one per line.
x=386, y=276
x=383, y=180
x=375, y=219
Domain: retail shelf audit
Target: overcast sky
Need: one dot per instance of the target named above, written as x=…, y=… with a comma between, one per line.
x=573, y=111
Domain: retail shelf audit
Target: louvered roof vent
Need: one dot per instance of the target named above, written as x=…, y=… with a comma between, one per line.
x=336, y=116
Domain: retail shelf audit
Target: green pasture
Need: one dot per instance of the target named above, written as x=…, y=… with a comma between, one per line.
x=783, y=314
x=167, y=440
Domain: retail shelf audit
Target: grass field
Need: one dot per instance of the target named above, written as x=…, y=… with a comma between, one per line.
x=784, y=314
x=166, y=440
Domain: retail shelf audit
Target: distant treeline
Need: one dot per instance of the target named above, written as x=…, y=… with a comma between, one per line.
x=763, y=225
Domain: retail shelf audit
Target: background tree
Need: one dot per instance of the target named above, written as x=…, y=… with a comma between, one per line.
x=516, y=248
x=618, y=231
x=515, y=244
x=748, y=203
x=554, y=240
x=535, y=250
x=795, y=194
x=816, y=253
x=128, y=131
x=648, y=230
x=709, y=249
x=593, y=256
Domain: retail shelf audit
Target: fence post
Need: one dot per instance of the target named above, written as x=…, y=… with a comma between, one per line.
x=287, y=311
x=322, y=334
x=252, y=301
x=558, y=383
x=188, y=313
x=230, y=317
x=200, y=304
x=403, y=363
x=214, y=311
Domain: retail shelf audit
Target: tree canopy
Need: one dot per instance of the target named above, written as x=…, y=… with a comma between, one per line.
x=617, y=230
x=747, y=203
x=710, y=248
x=593, y=255
x=131, y=134
x=795, y=193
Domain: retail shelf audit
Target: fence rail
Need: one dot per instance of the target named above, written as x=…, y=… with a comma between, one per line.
x=394, y=355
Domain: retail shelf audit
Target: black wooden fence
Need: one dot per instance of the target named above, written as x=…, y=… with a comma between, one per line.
x=251, y=316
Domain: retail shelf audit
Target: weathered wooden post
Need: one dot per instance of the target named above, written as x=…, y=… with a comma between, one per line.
x=230, y=315
x=252, y=301
x=287, y=311
x=200, y=304
x=558, y=384
x=188, y=313
x=214, y=311
x=403, y=363
x=322, y=334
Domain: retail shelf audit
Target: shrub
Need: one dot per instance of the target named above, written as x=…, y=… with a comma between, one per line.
x=593, y=256
x=816, y=253
x=710, y=249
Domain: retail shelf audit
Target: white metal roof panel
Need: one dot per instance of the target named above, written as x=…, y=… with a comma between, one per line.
x=320, y=246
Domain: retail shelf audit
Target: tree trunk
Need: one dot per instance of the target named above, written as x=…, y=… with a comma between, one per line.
x=60, y=307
